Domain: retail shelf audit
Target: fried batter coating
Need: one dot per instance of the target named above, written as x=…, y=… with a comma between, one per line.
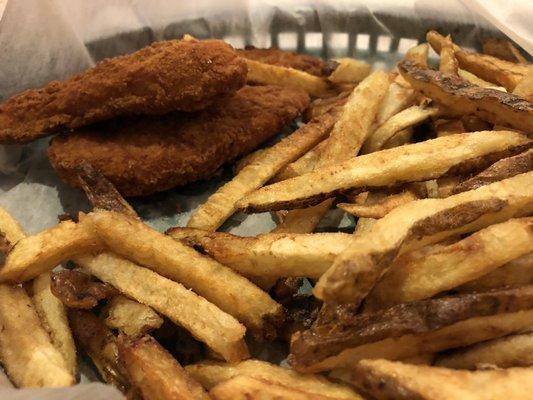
x=166, y=76
x=151, y=154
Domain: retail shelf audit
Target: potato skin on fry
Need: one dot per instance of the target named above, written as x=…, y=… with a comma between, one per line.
x=166, y=76
x=144, y=155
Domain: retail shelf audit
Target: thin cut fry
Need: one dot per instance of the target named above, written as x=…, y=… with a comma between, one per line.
x=411, y=278
x=156, y=374
x=386, y=380
x=266, y=74
x=131, y=317
x=210, y=374
x=322, y=106
x=237, y=296
x=418, y=55
x=28, y=356
x=524, y=88
x=506, y=352
x=503, y=49
x=398, y=98
x=303, y=165
x=475, y=80
x=205, y=321
x=461, y=97
x=221, y=205
x=464, y=153
x=448, y=62
x=269, y=255
x=350, y=70
x=379, y=209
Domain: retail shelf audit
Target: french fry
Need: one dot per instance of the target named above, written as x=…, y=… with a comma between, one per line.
x=413, y=225
x=245, y=388
x=398, y=98
x=410, y=329
x=418, y=55
x=322, y=106
x=460, y=97
x=10, y=228
x=206, y=322
x=28, y=356
x=524, y=88
x=386, y=380
x=506, y=352
x=271, y=254
x=237, y=296
x=381, y=208
x=53, y=316
x=266, y=74
x=155, y=373
x=448, y=62
x=502, y=169
x=247, y=160
x=349, y=70
x=515, y=273
x=36, y=254
x=445, y=127
x=131, y=317
x=221, y=205
x=503, y=49
x=404, y=119
x=492, y=69
x=210, y=374
x=412, y=278
x=303, y=165
x=476, y=80
x=464, y=153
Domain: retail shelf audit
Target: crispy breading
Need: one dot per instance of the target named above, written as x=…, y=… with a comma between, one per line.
x=166, y=76
x=151, y=154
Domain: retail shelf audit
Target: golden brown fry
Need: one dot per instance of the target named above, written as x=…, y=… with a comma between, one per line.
x=407, y=330
x=448, y=62
x=303, y=165
x=349, y=70
x=271, y=254
x=413, y=225
x=237, y=296
x=10, y=228
x=503, y=49
x=492, y=69
x=418, y=55
x=460, y=97
x=506, y=352
x=475, y=80
x=381, y=208
x=524, y=88
x=207, y=323
x=34, y=255
x=266, y=74
x=398, y=98
x=464, y=153
x=156, y=374
x=322, y=106
x=412, y=278
x=131, y=317
x=516, y=273
x=445, y=127
x=221, y=205
x=247, y=160
x=28, y=356
x=386, y=380
x=210, y=374
x=53, y=316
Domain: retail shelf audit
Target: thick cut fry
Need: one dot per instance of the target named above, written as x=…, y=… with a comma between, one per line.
x=463, y=153
x=404, y=119
x=10, y=228
x=448, y=62
x=492, y=69
x=131, y=317
x=502, y=169
x=266, y=74
x=516, y=273
x=42, y=252
x=381, y=208
x=210, y=374
x=524, y=88
x=221, y=205
x=269, y=255
x=410, y=329
x=506, y=352
x=413, y=225
x=412, y=278
x=155, y=373
x=503, y=49
x=418, y=55
x=386, y=380
x=205, y=321
x=226, y=289
x=460, y=97
x=53, y=316
x=28, y=356
x=349, y=70
x=246, y=388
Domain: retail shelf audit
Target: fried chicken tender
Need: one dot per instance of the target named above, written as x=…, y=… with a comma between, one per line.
x=312, y=65
x=166, y=76
x=151, y=154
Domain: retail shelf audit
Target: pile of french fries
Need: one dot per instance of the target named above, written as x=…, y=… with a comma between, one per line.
x=431, y=297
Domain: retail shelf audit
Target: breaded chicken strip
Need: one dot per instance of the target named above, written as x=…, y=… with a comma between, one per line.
x=312, y=65
x=151, y=154
x=164, y=77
